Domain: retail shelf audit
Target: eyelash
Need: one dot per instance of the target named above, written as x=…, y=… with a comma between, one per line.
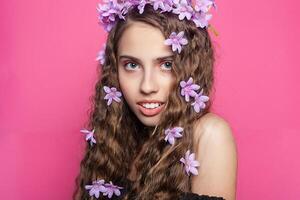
x=163, y=63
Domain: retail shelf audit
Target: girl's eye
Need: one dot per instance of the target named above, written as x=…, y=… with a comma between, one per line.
x=168, y=65
x=130, y=65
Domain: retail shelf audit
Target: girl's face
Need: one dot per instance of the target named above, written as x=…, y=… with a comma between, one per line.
x=145, y=71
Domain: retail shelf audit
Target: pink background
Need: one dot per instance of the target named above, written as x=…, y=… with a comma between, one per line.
x=48, y=50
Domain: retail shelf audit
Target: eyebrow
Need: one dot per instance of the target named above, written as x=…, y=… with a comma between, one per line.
x=138, y=60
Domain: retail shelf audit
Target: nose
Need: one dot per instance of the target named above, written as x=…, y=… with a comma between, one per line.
x=149, y=83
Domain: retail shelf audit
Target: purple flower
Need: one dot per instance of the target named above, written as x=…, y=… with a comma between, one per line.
x=141, y=6
x=132, y=3
x=96, y=188
x=89, y=135
x=112, y=94
x=183, y=9
x=112, y=10
x=188, y=89
x=164, y=5
x=200, y=101
x=201, y=19
x=108, y=13
x=190, y=163
x=111, y=189
x=176, y=41
x=173, y=133
x=203, y=5
x=101, y=55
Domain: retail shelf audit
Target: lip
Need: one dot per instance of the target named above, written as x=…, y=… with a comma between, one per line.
x=149, y=101
x=149, y=112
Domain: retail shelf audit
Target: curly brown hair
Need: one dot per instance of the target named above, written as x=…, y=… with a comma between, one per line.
x=120, y=136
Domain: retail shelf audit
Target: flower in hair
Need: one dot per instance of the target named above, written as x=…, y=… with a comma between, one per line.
x=188, y=89
x=204, y=5
x=96, y=188
x=139, y=3
x=89, y=136
x=183, y=9
x=173, y=133
x=190, y=163
x=164, y=5
x=111, y=189
x=176, y=40
x=201, y=19
x=101, y=55
x=141, y=6
x=200, y=101
x=108, y=13
x=201, y=15
x=112, y=94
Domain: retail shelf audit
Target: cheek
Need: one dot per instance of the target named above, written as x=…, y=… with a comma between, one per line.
x=168, y=82
x=127, y=86
x=122, y=79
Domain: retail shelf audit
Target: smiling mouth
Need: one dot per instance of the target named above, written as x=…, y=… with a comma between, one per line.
x=151, y=109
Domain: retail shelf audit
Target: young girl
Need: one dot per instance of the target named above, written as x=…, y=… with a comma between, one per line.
x=151, y=135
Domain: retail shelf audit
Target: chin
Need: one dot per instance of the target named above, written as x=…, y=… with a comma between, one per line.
x=149, y=121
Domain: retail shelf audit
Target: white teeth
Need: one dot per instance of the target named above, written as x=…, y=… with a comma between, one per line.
x=151, y=105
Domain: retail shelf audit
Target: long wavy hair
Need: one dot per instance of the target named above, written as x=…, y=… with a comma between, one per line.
x=120, y=136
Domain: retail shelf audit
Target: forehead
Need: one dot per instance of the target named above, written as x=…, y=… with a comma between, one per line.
x=142, y=40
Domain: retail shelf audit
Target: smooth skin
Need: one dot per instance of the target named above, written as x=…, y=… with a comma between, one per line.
x=144, y=72
x=217, y=154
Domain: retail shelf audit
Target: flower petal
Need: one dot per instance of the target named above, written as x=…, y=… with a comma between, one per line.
x=177, y=135
x=204, y=98
x=194, y=171
x=182, y=160
x=179, y=48
x=195, y=87
x=178, y=129
x=171, y=140
x=184, y=41
x=192, y=156
x=168, y=42
x=187, y=97
x=174, y=47
x=190, y=81
x=109, y=101
x=180, y=34
x=197, y=107
x=106, y=89
x=182, y=83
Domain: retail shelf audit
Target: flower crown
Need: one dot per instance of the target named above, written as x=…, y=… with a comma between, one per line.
x=112, y=10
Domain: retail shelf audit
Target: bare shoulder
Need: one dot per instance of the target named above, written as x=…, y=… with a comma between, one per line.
x=212, y=126
x=215, y=149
